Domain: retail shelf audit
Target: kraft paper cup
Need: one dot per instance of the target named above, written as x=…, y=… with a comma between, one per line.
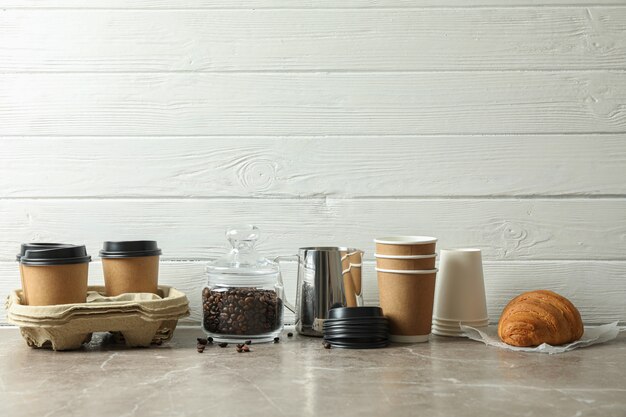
x=55, y=275
x=405, y=245
x=351, y=265
x=410, y=262
x=406, y=298
x=33, y=246
x=460, y=290
x=130, y=267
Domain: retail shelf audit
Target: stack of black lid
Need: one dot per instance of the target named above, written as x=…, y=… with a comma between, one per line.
x=356, y=328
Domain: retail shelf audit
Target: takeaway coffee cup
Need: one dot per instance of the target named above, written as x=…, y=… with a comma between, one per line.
x=130, y=266
x=34, y=246
x=351, y=265
x=406, y=298
x=410, y=262
x=56, y=275
x=405, y=245
x=460, y=292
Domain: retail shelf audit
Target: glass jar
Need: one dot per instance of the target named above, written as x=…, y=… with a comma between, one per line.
x=243, y=298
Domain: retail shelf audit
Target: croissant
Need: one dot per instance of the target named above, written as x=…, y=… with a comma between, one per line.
x=537, y=317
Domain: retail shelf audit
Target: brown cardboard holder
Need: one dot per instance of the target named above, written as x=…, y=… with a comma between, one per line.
x=407, y=301
x=140, y=319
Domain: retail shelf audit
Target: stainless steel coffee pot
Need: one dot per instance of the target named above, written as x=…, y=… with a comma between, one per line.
x=328, y=277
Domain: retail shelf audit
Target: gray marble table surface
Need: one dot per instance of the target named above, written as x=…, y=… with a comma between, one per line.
x=298, y=377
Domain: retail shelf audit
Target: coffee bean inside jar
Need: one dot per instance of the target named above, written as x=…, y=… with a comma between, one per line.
x=241, y=311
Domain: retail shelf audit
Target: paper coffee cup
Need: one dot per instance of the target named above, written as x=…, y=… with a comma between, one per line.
x=406, y=298
x=405, y=245
x=351, y=265
x=33, y=246
x=437, y=320
x=130, y=267
x=349, y=289
x=460, y=290
x=411, y=262
x=55, y=275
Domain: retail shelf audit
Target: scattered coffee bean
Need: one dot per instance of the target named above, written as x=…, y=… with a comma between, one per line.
x=240, y=345
x=202, y=341
x=210, y=340
x=248, y=342
x=289, y=334
x=200, y=347
x=239, y=349
x=326, y=345
x=245, y=348
x=222, y=345
x=276, y=339
x=241, y=311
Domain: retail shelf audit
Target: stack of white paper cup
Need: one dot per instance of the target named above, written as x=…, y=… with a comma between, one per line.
x=459, y=293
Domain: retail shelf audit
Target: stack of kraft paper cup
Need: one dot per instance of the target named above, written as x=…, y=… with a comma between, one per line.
x=406, y=281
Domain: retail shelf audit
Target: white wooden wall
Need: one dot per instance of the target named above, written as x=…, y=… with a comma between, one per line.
x=498, y=124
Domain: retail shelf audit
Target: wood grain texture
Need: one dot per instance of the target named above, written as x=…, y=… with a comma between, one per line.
x=323, y=122
x=187, y=229
x=276, y=40
x=287, y=4
x=598, y=289
x=312, y=103
x=314, y=166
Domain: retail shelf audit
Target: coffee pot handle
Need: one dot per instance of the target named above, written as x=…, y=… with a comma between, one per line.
x=277, y=259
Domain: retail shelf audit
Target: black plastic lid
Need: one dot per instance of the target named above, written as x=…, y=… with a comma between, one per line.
x=358, y=321
x=349, y=327
x=354, y=312
x=354, y=339
x=356, y=327
x=56, y=256
x=130, y=249
x=358, y=344
x=37, y=245
x=348, y=334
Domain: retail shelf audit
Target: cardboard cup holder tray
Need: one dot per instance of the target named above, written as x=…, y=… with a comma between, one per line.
x=138, y=319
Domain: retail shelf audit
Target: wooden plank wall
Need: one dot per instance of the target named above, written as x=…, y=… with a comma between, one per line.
x=491, y=124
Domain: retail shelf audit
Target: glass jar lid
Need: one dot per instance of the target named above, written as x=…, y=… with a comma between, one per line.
x=242, y=265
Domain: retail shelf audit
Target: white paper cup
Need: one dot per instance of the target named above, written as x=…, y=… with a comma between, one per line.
x=446, y=329
x=482, y=322
x=441, y=332
x=456, y=326
x=460, y=287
